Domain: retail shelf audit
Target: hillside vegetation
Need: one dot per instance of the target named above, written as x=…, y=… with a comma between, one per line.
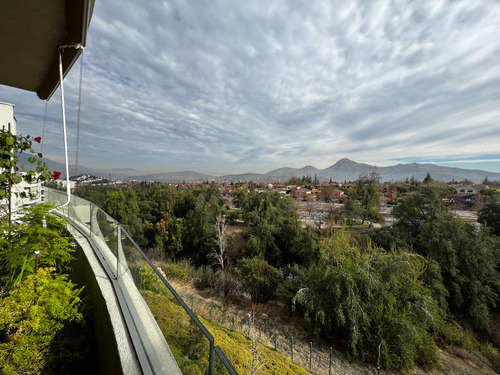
x=390, y=296
x=188, y=345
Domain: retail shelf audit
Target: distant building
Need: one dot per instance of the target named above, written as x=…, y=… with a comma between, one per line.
x=467, y=190
x=7, y=119
x=33, y=191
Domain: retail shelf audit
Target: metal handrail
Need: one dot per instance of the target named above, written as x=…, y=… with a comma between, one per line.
x=225, y=361
x=214, y=350
x=179, y=299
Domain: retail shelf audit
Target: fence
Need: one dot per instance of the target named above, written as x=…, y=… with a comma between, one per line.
x=318, y=359
x=141, y=285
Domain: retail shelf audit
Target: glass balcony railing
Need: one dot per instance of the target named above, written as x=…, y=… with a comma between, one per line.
x=153, y=304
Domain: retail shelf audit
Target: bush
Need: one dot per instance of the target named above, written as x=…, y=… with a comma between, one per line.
x=149, y=280
x=373, y=300
x=203, y=277
x=181, y=271
x=232, y=215
x=30, y=319
x=226, y=283
x=258, y=278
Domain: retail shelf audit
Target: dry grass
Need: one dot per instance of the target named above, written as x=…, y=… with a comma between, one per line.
x=273, y=318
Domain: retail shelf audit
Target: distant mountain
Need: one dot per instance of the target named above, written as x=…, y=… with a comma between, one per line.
x=308, y=170
x=124, y=170
x=446, y=174
x=348, y=170
x=247, y=177
x=184, y=176
x=343, y=170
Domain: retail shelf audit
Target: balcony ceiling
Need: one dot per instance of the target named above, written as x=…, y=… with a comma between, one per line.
x=30, y=33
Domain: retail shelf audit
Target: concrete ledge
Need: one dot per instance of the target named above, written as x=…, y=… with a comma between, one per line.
x=120, y=344
x=141, y=345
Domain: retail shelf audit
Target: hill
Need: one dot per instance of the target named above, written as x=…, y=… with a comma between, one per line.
x=182, y=176
x=343, y=170
x=348, y=170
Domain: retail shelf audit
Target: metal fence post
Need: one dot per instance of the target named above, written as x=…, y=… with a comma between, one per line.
x=234, y=316
x=310, y=354
x=330, y=365
x=291, y=349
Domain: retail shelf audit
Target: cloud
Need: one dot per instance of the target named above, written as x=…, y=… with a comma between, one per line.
x=225, y=86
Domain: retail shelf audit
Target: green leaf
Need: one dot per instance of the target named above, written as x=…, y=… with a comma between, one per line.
x=17, y=179
x=9, y=141
x=2, y=192
x=39, y=169
x=32, y=159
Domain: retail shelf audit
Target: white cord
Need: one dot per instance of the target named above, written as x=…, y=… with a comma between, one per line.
x=61, y=79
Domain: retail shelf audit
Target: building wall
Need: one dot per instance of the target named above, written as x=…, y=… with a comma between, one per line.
x=7, y=117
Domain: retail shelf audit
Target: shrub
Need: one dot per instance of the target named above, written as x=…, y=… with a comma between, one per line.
x=258, y=278
x=203, y=277
x=375, y=301
x=30, y=319
x=149, y=280
x=226, y=283
x=182, y=271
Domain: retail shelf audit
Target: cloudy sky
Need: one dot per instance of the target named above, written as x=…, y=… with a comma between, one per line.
x=249, y=86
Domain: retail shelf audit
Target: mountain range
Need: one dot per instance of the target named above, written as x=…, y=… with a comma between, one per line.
x=343, y=170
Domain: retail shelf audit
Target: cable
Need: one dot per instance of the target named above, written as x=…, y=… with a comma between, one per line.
x=78, y=118
x=43, y=129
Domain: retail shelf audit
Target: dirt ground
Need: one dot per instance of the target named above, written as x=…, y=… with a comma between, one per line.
x=273, y=319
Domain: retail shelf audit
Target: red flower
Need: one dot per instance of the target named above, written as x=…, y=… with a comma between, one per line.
x=55, y=175
x=37, y=139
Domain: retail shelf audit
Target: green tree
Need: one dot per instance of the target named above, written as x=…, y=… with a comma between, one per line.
x=468, y=259
x=294, y=279
x=374, y=300
x=353, y=211
x=170, y=236
x=489, y=215
x=258, y=278
x=367, y=193
x=428, y=179
x=198, y=226
x=122, y=205
x=415, y=210
x=274, y=230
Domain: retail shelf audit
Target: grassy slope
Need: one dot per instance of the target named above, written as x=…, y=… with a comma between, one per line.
x=190, y=347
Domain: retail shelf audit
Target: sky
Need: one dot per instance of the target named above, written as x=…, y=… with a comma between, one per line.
x=224, y=86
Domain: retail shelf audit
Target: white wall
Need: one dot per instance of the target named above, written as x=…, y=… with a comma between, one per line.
x=7, y=116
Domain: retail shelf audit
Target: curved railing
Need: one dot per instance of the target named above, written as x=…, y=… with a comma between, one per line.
x=145, y=295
